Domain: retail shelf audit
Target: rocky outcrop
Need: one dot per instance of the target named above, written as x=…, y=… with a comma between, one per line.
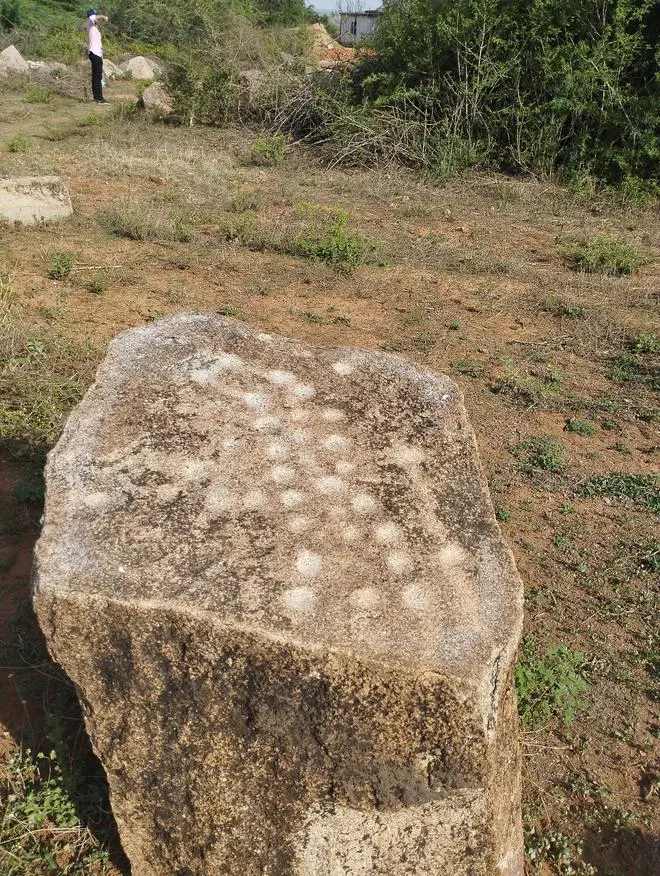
x=32, y=199
x=274, y=575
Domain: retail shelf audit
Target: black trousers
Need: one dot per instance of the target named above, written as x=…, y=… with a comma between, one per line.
x=97, y=76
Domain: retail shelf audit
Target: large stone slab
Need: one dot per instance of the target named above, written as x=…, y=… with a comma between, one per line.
x=32, y=199
x=274, y=575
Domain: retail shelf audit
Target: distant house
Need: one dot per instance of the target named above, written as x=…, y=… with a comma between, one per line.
x=355, y=26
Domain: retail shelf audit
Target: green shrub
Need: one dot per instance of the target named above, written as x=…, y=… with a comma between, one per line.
x=268, y=150
x=605, y=255
x=35, y=93
x=329, y=241
x=555, y=84
x=549, y=686
x=61, y=265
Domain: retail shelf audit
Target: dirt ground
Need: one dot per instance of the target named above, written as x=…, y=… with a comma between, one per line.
x=465, y=278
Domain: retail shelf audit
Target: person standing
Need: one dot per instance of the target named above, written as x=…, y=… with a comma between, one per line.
x=95, y=53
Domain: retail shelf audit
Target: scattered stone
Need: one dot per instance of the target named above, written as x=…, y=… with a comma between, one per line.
x=274, y=574
x=32, y=199
x=11, y=61
x=156, y=100
x=141, y=68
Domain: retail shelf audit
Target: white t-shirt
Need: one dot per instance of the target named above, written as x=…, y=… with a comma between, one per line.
x=94, y=36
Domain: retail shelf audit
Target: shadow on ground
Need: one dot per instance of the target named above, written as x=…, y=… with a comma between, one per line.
x=39, y=709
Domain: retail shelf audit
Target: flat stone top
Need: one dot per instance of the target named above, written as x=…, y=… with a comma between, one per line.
x=30, y=199
x=333, y=498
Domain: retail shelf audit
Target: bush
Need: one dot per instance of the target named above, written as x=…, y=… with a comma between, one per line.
x=17, y=143
x=552, y=85
x=268, y=150
x=35, y=93
x=604, y=255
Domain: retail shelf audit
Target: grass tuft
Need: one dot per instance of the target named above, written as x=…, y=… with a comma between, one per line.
x=549, y=686
x=604, y=255
x=642, y=489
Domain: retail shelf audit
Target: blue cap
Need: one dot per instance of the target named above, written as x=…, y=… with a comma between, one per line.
x=91, y=12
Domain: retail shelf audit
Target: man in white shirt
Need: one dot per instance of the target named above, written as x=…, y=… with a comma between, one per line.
x=95, y=53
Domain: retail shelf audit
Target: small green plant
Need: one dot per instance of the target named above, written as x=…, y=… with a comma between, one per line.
x=18, y=143
x=503, y=514
x=544, y=453
x=329, y=241
x=227, y=310
x=40, y=831
x=310, y=316
x=564, y=852
x=647, y=344
x=96, y=286
x=549, y=686
x=61, y=265
x=572, y=311
x=604, y=255
x=36, y=93
x=268, y=150
x=581, y=427
x=454, y=325
x=644, y=489
x=244, y=203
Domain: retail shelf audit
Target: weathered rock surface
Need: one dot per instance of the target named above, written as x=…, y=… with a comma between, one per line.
x=31, y=199
x=156, y=100
x=274, y=574
x=11, y=61
x=112, y=71
x=141, y=68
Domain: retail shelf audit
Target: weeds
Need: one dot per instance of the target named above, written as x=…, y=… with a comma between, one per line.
x=18, y=143
x=40, y=830
x=549, y=686
x=61, y=264
x=642, y=489
x=604, y=255
x=532, y=387
x=632, y=368
x=647, y=344
x=244, y=203
x=580, y=427
x=544, y=453
x=562, y=851
x=35, y=93
x=329, y=241
x=268, y=150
